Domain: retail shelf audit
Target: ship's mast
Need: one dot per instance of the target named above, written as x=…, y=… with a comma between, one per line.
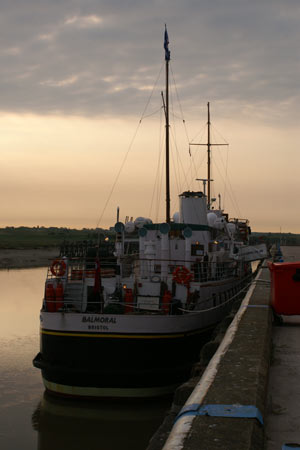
x=208, y=154
x=209, y=145
x=166, y=107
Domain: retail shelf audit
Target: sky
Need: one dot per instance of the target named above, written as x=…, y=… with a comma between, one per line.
x=81, y=117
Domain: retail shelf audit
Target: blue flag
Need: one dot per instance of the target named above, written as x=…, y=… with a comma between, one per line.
x=166, y=46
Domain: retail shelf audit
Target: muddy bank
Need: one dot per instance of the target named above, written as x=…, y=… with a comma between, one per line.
x=26, y=258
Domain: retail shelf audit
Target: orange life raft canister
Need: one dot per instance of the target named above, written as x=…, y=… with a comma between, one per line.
x=50, y=297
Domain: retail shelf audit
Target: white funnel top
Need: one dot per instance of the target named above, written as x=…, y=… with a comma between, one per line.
x=193, y=208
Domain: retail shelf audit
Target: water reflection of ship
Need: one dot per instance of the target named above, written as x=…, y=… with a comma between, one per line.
x=109, y=425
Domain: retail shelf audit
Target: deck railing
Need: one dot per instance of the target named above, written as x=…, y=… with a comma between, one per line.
x=78, y=269
x=80, y=278
x=201, y=271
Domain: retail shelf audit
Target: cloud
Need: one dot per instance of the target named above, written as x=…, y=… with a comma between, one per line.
x=60, y=83
x=104, y=56
x=11, y=51
x=47, y=37
x=84, y=21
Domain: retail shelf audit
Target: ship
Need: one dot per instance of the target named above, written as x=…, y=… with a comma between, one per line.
x=132, y=325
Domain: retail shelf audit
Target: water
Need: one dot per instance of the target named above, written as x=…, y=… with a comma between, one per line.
x=29, y=419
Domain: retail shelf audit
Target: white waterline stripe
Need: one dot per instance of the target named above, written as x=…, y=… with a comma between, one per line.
x=183, y=425
x=86, y=391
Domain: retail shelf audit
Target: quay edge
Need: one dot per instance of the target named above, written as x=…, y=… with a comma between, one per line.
x=241, y=378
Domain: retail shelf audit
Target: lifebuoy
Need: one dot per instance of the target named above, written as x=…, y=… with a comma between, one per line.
x=58, y=268
x=182, y=275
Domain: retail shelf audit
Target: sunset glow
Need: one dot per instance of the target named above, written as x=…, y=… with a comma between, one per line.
x=74, y=85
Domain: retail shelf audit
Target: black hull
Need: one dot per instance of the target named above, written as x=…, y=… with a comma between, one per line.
x=77, y=360
x=91, y=366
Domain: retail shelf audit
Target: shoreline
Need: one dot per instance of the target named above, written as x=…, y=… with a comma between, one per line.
x=27, y=258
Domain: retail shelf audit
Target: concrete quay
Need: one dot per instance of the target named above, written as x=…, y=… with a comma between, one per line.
x=258, y=401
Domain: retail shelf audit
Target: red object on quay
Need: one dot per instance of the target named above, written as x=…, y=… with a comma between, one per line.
x=285, y=288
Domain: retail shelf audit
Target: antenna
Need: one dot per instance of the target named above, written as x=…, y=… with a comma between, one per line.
x=204, y=181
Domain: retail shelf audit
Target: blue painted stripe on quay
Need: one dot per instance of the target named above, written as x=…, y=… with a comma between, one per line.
x=239, y=411
x=257, y=306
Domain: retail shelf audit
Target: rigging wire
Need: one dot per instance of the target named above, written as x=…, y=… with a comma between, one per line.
x=231, y=195
x=154, y=87
x=152, y=114
x=225, y=167
x=129, y=148
x=172, y=153
x=156, y=181
x=214, y=128
x=185, y=129
x=226, y=180
x=173, y=133
x=183, y=171
x=159, y=190
x=189, y=170
x=202, y=130
x=193, y=164
x=180, y=107
x=173, y=160
x=226, y=175
x=119, y=173
x=193, y=160
x=199, y=165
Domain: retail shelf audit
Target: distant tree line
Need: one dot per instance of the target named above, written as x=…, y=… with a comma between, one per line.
x=39, y=236
x=36, y=237
x=275, y=238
